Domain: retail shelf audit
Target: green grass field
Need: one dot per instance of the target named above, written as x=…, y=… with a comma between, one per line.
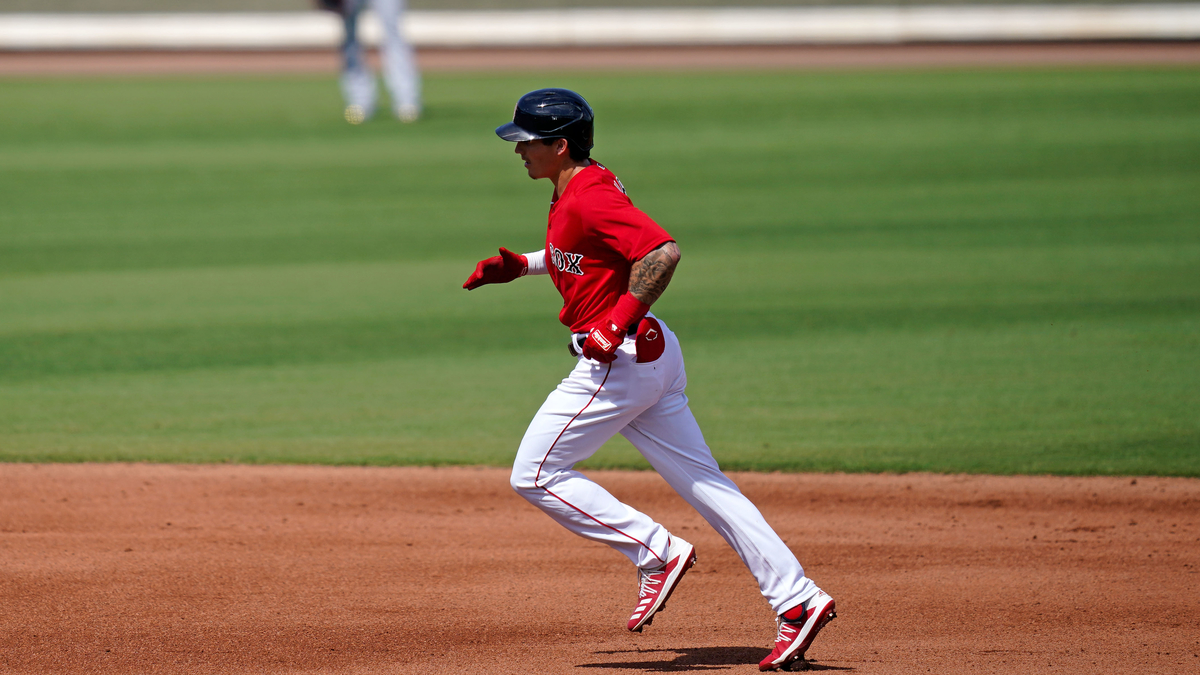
x=980, y=271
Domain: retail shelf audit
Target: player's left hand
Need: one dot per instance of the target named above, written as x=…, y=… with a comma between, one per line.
x=601, y=344
x=498, y=269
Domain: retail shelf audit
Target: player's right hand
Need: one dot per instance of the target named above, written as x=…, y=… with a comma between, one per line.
x=498, y=269
x=601, y=344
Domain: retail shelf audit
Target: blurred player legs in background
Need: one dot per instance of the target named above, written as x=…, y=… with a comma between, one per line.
x=400, y=72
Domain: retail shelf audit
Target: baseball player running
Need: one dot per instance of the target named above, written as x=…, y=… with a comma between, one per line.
x=611, y=262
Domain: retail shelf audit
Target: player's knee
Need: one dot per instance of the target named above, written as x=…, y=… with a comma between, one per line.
x=523, y=480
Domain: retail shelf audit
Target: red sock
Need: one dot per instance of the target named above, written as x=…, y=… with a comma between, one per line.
x=795, y=614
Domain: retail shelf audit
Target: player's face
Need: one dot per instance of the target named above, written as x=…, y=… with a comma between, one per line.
x=541, y=160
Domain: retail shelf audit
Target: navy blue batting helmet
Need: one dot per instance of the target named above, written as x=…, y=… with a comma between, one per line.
x=551, y=113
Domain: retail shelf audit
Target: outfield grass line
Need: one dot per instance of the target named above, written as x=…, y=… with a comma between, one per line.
x=765, y=404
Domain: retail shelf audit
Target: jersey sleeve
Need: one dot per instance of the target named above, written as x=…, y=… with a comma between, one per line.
x=622, y=227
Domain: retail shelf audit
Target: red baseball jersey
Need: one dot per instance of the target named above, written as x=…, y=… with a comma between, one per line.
x=594, y=236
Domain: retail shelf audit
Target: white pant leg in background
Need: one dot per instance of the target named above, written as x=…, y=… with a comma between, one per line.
x=646, y=403
x=357, y=80
x=400, y=72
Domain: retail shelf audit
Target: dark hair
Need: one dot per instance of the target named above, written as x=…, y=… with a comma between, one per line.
x=576, y=154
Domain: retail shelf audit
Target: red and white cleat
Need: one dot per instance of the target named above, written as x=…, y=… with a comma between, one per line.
x=797, y=628
x=655, y=586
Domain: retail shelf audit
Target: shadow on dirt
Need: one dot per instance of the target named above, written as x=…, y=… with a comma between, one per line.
x=694, y=658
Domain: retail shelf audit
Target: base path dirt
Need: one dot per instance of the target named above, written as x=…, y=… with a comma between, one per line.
x=119, y=568
x=713, y=58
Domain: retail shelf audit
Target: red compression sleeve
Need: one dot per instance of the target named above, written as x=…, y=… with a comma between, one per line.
x=628, y=312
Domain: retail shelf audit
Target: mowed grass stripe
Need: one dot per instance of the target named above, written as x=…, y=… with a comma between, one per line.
x=1068, y=401
x=216, y=174
x=115, y=322
x=31, y=356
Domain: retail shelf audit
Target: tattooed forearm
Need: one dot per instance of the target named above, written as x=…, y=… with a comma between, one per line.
x=650, y=275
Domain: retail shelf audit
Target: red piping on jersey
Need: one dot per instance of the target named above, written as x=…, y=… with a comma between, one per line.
x=581, y=511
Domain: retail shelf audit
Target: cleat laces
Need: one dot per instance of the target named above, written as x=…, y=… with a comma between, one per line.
x=647, y=581
x=787, y=632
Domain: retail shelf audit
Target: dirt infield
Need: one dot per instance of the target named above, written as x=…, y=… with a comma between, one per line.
x=232, y=569
x=795, y=57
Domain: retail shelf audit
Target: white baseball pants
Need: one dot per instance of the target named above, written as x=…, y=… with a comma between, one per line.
x=400, y=72
x=645, y=402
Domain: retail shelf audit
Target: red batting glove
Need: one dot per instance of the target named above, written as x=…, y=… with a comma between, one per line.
x=498, y=269
x=601, y=344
